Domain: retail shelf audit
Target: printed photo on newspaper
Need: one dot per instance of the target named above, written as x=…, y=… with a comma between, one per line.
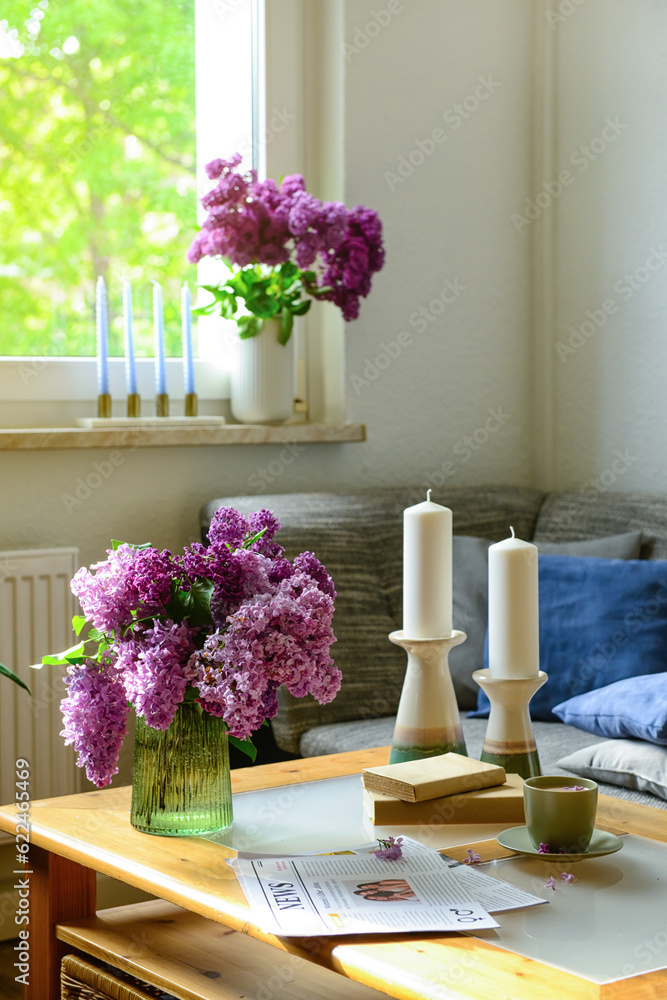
x=353, y=892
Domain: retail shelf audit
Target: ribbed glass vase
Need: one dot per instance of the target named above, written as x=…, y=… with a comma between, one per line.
x=181, y=784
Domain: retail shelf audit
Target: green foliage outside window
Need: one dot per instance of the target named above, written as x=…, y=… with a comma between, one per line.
x=97, y=169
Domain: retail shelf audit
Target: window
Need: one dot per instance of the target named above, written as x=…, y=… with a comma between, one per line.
x=101, y=167
x=97, y=129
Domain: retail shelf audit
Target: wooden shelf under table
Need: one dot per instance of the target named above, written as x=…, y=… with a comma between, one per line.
x=197, y=959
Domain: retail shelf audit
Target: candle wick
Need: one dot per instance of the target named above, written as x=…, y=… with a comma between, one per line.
x=512, y=530
x=428, y=496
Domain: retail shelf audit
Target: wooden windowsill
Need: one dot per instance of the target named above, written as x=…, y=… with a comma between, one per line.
x=48, y=438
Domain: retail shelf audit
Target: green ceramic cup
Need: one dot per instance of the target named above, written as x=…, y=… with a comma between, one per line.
x=559, y=816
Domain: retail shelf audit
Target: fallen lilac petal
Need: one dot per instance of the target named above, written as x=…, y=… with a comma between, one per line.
x=544, y=849
x=389, y=849
x=568, y=877
x=551, y=884
x=473, y=858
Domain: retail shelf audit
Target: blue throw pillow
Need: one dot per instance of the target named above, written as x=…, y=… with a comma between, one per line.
x=601, y=620
x=636, y=706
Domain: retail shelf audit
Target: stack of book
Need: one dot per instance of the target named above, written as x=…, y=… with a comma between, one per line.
x=445, y=789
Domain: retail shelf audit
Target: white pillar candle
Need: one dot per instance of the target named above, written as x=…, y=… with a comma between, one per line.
x=427, y=570
x=514, y=633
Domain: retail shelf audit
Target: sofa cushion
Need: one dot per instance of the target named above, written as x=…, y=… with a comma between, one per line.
x=359, y=538
x=628, y=763
x=568, y=516
x=635, y=707
x=470, y=564
x=600, y=620
x=625, y=546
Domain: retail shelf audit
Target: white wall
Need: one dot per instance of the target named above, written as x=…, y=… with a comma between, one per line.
x=610, y=391
x=447, y=221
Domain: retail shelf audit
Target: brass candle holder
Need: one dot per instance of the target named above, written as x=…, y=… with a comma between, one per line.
x=162, y=404
x=104, y=405
x=134, y=404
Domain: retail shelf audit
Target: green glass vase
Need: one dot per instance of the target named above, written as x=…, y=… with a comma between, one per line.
x=181, y=783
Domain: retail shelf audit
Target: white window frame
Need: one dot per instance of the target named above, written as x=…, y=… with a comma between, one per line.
x=298, y=105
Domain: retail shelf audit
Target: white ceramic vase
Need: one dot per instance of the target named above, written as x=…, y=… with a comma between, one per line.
x=263, y=381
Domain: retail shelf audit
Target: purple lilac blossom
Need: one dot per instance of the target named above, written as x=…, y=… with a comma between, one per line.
x=110, y=596
x=310, y=565
x=257, y=222
x=266, y=521
x=347, y=276
x=280, y=638
x=389, y=849
x=153, y=572
x=472, y=857
x=95, y=718
x=228, y=527
x=270, y=624
x=156, y=670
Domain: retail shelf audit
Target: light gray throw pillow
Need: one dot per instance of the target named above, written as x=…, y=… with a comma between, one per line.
x=629, y=763
x=470, y=561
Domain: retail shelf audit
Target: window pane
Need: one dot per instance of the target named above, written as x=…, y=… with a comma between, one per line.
x=98, y=173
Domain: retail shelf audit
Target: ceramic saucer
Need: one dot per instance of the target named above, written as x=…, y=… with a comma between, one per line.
x=517, y=839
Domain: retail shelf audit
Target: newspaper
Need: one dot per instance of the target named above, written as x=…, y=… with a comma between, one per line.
x=353, y=892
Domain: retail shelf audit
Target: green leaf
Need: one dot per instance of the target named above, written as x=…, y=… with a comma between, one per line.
x=193, y=604
x=286, y=324
x=228, y=306
x=245, y=746
x=205, y=310
x=249, y=326
x=75, y=654
x=263, y=305
x=77, y=624
x=6, y=672
x=254, y=538
x=301, y=308
x=289, y=274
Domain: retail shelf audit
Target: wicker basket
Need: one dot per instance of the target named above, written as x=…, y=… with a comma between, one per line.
x=80, y=979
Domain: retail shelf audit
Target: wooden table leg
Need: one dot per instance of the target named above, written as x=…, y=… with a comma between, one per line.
x=59, y=890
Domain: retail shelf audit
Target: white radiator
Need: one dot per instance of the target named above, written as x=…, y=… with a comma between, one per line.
x=36, y=608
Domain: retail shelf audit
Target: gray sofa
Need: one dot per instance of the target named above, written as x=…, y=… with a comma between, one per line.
x=358, y=537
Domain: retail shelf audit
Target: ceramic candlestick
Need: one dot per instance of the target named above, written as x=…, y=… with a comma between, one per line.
x=509, y=739
x=427, y=722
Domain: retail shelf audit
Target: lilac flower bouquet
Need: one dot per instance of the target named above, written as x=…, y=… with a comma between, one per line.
x=222, y=626
x=280, y=242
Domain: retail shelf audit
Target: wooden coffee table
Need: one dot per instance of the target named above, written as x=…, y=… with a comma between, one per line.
x=185, y=941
